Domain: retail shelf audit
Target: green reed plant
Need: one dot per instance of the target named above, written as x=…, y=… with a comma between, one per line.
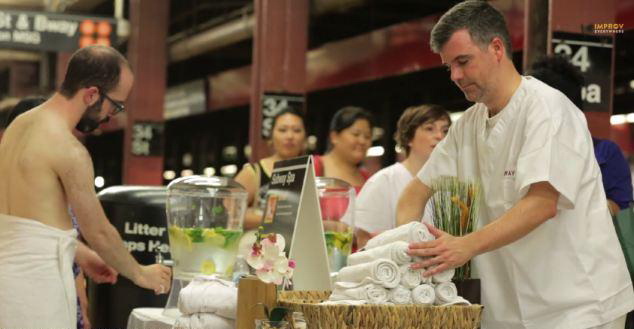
x=456, y=204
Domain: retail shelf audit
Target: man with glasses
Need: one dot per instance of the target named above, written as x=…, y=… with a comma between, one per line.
x=45, y=169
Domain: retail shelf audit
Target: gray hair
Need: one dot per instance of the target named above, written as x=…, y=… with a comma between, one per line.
x=482, y=21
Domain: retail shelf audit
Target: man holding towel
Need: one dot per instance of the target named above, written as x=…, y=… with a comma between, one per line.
x=547, y=252
x=46, y=170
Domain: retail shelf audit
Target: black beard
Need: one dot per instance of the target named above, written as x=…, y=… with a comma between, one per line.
x=87, y=124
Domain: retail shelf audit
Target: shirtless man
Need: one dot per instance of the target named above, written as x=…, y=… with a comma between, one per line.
x=45, y=169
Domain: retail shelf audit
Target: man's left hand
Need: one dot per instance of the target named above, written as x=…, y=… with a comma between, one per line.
x=444, y=253
x=96, y=269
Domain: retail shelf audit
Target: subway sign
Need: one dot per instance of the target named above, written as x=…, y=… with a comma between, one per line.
x=592, y=54
x=43, y=31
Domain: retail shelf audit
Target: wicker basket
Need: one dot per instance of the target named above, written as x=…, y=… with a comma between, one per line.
x=378, y=316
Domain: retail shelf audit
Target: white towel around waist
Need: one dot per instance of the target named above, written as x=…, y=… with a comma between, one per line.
x=381, y=270
x=410, y=232
x=395, y=251
x=203, y=321
x=366, y=290
x=410, y=278
x=400, y=295
x=37, y=288
x=424, y=294
x=209, y=294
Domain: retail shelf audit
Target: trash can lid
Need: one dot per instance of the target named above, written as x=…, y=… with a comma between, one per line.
x=134, y=194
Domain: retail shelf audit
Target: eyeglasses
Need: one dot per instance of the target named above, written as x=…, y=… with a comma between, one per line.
x=118, y=106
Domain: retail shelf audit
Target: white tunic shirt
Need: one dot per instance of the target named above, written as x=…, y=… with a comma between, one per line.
x=376, y=203
x=570, y=271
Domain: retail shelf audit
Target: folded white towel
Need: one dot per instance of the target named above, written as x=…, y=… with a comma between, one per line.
x=382, y=270
x=446, y=293
x=444, y=276
x=410, y=278
x=209, y=294
x=458, y=301
x=410, y=232
x=370, y=292
x=424, y=294
x=425, y=279
x=400, y=295
x=395, y=251
x=203, y=321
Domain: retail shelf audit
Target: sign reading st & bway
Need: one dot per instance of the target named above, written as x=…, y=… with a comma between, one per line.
x=43, y=31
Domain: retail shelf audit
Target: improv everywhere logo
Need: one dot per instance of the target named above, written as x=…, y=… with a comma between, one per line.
x=608, y=28
x=94, y=33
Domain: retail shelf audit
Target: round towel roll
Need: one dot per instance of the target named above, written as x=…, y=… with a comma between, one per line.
x=424, y=294
x=444, y=276
x=410, y=278
x=382, y=270
x=401, y=295
x=446, y=293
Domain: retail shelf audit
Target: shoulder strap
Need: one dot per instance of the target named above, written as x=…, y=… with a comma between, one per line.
x=318, y=165
x=257, y=170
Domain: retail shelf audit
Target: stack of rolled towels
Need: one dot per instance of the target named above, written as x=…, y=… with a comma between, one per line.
x=207, y=302
x=381, y=273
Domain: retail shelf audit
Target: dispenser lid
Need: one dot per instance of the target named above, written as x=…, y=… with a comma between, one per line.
x=205, y=186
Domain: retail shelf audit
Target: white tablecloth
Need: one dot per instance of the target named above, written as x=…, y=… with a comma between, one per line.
x=149, y=318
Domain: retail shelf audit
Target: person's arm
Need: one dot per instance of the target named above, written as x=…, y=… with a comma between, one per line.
x=74, y=169
x=614, y=208
x=93, y=266
x=247, y=178
x=447, y=251
x=412, y=201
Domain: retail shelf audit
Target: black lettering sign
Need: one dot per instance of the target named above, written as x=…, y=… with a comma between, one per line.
x=272, y=103
x=147, y=139
x=592, y=54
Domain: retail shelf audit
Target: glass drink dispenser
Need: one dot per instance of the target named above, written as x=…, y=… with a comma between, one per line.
x=204, y=220
x=336, y=200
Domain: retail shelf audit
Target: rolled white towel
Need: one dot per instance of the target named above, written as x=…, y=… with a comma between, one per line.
x=203, y=321
x=382, y=270
x=410, y=232
x=209, y=294
x=444, y=276
x=369, y=292
x=400, y=295
x=344, y=302
x=423, y=294
x=458, y=301
x=425, y=279
x=395, y=251
x=446, y=292
x=410, y=278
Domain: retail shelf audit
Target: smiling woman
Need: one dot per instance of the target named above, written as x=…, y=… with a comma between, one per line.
x=419, y=130
x=288, y=140
x=350, y=139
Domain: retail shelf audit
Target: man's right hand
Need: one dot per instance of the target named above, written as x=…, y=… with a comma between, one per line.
x=155, y=277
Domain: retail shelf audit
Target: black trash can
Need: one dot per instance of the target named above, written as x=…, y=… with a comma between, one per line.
x=138, y=213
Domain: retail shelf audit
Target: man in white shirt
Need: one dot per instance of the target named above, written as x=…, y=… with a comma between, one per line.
x=547, y=252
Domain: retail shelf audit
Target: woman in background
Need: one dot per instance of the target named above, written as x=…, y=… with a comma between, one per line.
x=418, y=131
x=288, y=139
x=350, y=138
